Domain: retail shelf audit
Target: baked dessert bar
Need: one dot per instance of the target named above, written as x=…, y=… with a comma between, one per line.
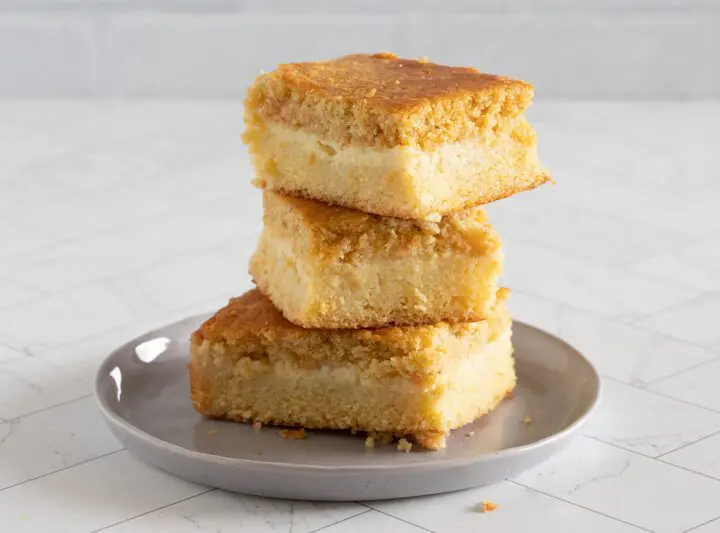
x=330, y=267
x=391, y=136
x=250, y=364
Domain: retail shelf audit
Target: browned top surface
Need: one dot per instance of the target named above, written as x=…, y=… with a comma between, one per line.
x=250, y=312
x=252, y=318
x=338, y=233
x=387, y=80
x=383, y=101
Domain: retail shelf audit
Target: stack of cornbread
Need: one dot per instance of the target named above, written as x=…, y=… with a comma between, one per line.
x=377, y=306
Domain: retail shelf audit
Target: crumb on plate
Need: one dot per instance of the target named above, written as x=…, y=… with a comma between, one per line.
x=212, y=432
x=257, y=425
x=487, y=506
x=370, y=442
x=293, y=434
x=527, y=420
x=404, y=445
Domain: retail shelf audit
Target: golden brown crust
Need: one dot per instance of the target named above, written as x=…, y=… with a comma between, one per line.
x=388, y=81
x=383, y=100
x=335, y=233
x=251, y=323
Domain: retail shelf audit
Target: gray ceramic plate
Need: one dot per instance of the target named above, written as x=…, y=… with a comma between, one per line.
x=142, y=389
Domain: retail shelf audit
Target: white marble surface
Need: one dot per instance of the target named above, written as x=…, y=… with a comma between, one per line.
x=119, y=217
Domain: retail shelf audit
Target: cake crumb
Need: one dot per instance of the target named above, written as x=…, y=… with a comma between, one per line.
x=259, y=183
x=424, y=59
x=487, y=506
x=371, y=92
x=257, y=424
x=370, y=442
x=353, y=431
x=404, y=445
x=293, y=434
x=431, y=440
x=212, y=432
x=470, y=434
x=527, y=420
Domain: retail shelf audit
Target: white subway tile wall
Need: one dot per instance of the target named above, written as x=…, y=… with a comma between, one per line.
x=194, y=48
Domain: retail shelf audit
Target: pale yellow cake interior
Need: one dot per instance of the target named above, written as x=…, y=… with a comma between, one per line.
x=274, y=376
x=401, y=181
x=377, y=271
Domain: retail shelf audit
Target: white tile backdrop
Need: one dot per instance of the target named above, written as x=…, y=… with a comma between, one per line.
x=195, y=48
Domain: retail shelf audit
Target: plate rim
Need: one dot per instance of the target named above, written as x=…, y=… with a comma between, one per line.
x=118, y=423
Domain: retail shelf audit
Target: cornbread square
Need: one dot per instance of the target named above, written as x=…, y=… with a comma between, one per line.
x=391, y=136
x=330, y=267
x=250, y=364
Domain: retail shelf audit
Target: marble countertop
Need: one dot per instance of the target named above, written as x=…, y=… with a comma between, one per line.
x=117, y=217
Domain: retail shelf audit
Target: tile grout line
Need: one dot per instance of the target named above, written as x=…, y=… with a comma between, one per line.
x=152, y=511
x=66, y=402
x=694, y=528
x=113, y=329
x=701, y=474
x=687, y=444
x=623, y=266
x=634, y=452
x=614, y=319
x=89, y=236
x=11, y=428
x=580, y=506
x=673, y=307
x=396, y=517
x=662, y=395
x=656, y=459
x=686, y=243
x=172, y=258
x=61, y=469
x=136, y=223
x=339, y=521
x=679, y=372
